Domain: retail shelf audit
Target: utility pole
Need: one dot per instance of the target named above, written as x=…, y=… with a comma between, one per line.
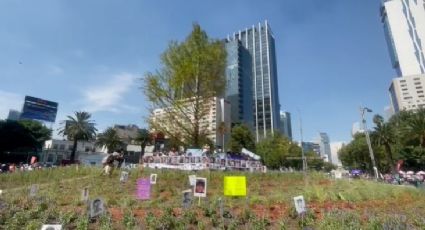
x=302, y=148
x=372, y=157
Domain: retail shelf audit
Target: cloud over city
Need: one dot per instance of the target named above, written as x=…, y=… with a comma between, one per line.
x=108, y=96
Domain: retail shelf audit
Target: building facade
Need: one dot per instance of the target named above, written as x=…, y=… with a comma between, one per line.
x=407, y=92
x=14, y=115
x=404, y=28
x=216, y=124
x=285, y=124
x=311, y=146
x=325, y=146
x=239, y=83
x=260, y=43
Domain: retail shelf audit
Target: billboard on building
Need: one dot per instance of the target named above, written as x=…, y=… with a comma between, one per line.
x=39, y=109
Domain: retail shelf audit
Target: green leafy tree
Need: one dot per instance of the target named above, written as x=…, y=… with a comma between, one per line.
x=241, y=137
x=14, y=136
x=274, y=151
x=78, y=128
x=39, y=131
x=110, y=139
x=414, y=127
x=355, y=155
x=384, y=135
x=143, y=138
x=192, y=73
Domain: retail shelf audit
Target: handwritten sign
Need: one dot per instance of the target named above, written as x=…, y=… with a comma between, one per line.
x=143, y=189
x=235, y=186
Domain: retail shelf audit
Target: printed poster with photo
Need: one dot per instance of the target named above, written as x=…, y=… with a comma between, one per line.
x=97, y=208
x=200, y=187
x=124, y=176
x=85, y=194
x=153, y=178
x=299, y=204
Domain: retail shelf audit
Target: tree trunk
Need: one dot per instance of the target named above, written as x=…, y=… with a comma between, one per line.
x=74, y=149
x=390, y=156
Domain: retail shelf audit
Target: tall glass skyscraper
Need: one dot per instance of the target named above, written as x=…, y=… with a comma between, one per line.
x=239, y=83
x=259, y=42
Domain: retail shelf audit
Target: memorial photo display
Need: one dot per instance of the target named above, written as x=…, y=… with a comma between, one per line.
x=200, y=188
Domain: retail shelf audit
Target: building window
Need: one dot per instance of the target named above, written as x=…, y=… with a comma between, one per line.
x=55, y=146
x=61, y=147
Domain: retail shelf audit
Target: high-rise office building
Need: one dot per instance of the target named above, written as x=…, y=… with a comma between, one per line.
x=325, y=146
x=239, y=83
x=13, y=115
x=259, y=42
x=285, y=124
x=404, y=27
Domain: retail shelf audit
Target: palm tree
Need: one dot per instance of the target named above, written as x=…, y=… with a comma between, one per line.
x=78, y=128
x=110, y=139
x=385, y=136
x=143, y=138
x=415, y=127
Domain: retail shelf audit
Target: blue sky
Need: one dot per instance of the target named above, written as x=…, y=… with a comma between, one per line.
x=90, y=55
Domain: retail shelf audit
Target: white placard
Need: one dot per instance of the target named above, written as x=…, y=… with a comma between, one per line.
x=33, y=190
x=124, y=176
x=51, y=227
x=200, y=187
x=1, y=192
x=299, y=204
x=97, y=207
x=153, y=178
x=192, y=179
x=85, y=194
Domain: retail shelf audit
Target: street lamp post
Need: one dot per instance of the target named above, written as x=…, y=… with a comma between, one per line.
x=372, y=157
x=304, y=162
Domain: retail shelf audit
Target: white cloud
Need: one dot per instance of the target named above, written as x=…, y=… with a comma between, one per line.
x=9, y=101
x=109, y=95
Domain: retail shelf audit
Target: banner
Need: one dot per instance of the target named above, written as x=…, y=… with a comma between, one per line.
x=235, y=186
x=39, y=109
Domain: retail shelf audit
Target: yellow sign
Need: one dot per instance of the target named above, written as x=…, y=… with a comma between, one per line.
x=234, y=186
